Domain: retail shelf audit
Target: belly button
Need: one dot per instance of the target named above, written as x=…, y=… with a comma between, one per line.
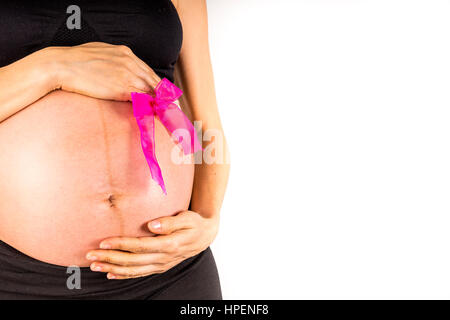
x=112, y=200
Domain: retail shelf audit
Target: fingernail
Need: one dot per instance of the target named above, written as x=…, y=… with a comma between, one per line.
x=155, y=224
x=96, y=268
x=110, y=276
x=105, y=246
x=91, y=257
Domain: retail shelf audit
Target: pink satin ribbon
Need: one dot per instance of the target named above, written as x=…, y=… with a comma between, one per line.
x=146, y=107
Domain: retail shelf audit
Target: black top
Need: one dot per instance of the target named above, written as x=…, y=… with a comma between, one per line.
x=152, y=28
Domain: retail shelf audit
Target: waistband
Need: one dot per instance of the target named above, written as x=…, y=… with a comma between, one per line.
x=23, y=277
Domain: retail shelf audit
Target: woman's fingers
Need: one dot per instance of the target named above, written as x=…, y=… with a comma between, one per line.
x=147, y=78
x=138, y=67
x=140, y=84
x=137, y=72
x=138, y=257
x=106, y=71
x=149, y=72
x=119, y=277
x=127, y=258
x=160, y=244
x=167, y=225
x=121, y=272
x=133, y=273
x=126, y=271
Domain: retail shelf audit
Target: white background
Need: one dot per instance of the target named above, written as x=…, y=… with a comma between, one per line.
x=337, y=114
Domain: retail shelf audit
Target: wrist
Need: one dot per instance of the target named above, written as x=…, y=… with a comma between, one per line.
x=52, y=68
x=205, y=211
x=213, y=223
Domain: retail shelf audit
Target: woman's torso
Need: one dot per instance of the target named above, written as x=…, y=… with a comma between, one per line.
x=72, y=171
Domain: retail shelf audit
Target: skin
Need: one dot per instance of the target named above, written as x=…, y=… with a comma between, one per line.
x=111, y=72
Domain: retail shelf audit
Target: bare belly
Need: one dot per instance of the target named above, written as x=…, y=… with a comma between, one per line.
x=72, y=173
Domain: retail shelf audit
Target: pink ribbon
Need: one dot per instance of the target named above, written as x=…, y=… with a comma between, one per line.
x=146, y=107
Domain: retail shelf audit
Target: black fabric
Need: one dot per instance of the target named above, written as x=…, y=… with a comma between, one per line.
x=152, y=29
x=22, y=277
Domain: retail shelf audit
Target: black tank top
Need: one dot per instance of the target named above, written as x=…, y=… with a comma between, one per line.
x=152, y=28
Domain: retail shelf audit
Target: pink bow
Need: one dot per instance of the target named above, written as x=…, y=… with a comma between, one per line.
x=145, y=107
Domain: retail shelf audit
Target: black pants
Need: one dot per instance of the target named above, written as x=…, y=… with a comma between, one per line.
x=22, y=277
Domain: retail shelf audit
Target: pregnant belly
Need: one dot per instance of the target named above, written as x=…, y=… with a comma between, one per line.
x=72, y=173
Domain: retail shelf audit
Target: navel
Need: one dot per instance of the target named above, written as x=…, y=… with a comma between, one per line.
x=112, y=201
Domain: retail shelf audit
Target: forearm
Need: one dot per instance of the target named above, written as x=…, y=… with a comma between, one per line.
x=195, y=76
x=211, y=175
x=26, y=81
x=211, y=180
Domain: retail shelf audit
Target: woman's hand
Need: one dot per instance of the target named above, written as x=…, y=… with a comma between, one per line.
x=102, y=70
x=178, y=238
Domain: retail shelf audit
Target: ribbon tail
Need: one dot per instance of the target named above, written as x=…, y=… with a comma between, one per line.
x=147, y=128
x=181, y=128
